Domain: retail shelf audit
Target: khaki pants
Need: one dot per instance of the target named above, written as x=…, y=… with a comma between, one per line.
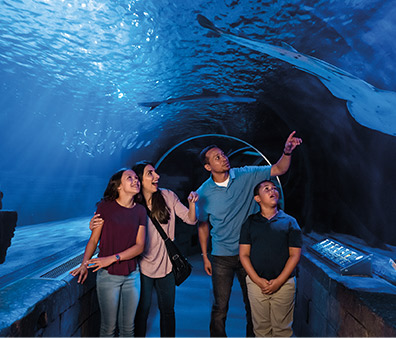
x=272, y=315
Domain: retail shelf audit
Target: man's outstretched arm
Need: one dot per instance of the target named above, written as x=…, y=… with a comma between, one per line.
x=283, y=164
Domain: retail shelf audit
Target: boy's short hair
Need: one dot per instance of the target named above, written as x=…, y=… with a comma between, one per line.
x=202, y=154
x=257, y=187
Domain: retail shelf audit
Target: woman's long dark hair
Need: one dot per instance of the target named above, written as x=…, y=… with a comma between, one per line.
x=111, y=192
x=159, y=209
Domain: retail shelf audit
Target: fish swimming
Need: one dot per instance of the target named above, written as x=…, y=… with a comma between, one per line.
x=206, y=95
x=369, y=106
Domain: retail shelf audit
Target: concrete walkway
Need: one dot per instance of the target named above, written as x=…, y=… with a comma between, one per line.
x=36, y=249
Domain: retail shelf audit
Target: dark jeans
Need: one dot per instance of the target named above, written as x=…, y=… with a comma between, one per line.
x=165, y=289
x=223, y=270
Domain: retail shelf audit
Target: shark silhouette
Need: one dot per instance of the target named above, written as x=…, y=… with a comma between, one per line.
x=371, y=107
x=206, y=95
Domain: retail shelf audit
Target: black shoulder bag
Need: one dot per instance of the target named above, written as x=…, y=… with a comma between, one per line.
x=181, y=267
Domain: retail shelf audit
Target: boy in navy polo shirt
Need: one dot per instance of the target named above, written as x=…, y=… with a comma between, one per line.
x=269, y=250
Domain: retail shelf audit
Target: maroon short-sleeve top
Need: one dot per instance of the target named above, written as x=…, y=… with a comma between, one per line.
x=119, y=233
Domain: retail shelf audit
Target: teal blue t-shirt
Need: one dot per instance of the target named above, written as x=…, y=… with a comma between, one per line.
x=227, y=208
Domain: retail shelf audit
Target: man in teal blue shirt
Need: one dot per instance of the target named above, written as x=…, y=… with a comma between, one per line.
x=225, y=202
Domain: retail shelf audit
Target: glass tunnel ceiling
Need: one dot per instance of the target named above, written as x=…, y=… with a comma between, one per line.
x=86, y=67
x=87, y=87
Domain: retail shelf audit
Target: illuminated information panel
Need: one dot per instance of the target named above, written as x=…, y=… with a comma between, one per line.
x=343, y=259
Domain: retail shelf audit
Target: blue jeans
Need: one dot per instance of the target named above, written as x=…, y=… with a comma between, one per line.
x=165, y=289
x=224, y=269
x=118, y=298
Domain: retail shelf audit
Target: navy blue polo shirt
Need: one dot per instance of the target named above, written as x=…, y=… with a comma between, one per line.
x=270, y=241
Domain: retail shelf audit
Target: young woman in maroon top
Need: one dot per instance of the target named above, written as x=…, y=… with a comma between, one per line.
x=122, y=239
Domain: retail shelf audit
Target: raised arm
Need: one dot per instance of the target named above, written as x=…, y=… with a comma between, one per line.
x=203, y=235
x=192, y=199
x=187, y=215
x=283, y=164
x=133, y=251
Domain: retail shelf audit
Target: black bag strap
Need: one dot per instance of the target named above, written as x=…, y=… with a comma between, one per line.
x=159, y=228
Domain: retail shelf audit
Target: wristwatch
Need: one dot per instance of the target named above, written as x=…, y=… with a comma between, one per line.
x=118, y=258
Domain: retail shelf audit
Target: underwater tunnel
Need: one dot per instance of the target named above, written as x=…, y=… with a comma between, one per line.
x=89, y=87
